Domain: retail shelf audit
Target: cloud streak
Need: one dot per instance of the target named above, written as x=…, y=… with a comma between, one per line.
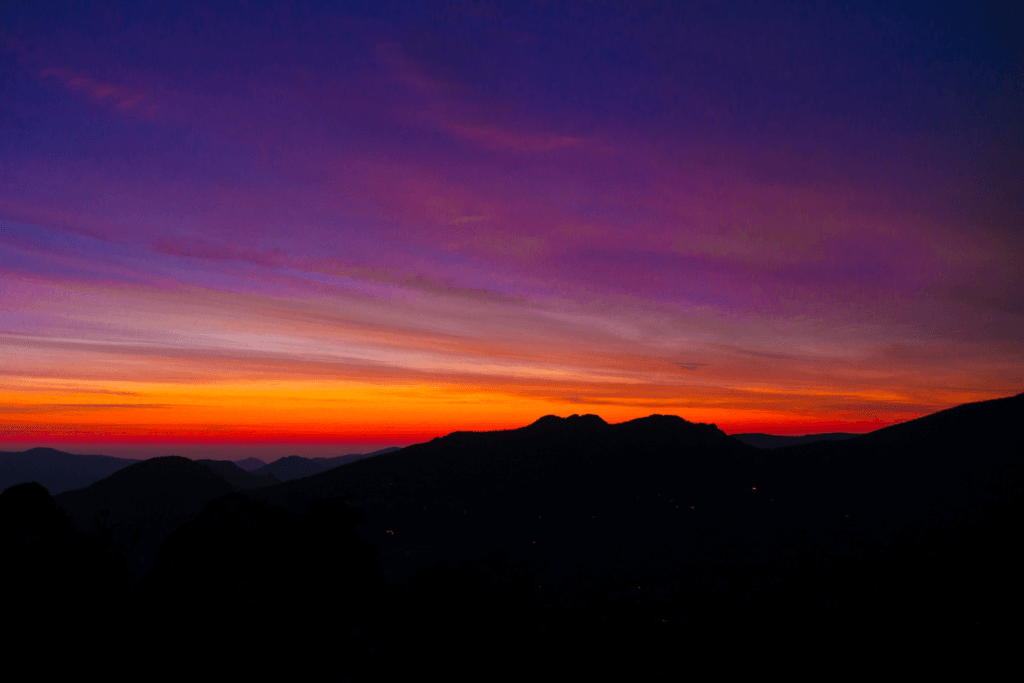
x=120, y=96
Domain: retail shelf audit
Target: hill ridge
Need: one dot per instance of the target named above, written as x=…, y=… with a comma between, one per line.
x=460, y=492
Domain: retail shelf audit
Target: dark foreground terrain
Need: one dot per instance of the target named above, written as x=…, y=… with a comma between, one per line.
x=569, y=547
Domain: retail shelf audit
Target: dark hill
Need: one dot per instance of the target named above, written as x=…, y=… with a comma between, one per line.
x=774, y=441
x=56, y=470
x=951, y=465
x=142, y=504
x=296, y=467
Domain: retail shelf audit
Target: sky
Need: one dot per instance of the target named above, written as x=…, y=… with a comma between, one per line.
x=316, y=228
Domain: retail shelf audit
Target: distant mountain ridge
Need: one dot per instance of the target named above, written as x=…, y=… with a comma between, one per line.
x=239, y=478
x=758, y=440
x=59, y=472
x=296, y=467
x=250, y=464
x=142, y=504
x=56, y=470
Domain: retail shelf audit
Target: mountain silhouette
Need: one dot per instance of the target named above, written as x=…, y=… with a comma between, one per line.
x=143, y=503
x=659, y=536
x=296, y=467
x=951, y=465
x=577, y=487
x=577, y=490
x=250, y=464
x=56, y=470
x=772, y=441
x=606, y=549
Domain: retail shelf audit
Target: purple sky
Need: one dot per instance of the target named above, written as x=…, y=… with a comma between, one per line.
x=256, y=223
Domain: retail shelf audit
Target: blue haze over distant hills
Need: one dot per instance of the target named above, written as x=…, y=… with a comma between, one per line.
x=58, y=471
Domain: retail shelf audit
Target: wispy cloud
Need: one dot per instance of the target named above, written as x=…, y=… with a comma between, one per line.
x=49, y=408
x=495, y=137
x=120, y=96
x=442, y=108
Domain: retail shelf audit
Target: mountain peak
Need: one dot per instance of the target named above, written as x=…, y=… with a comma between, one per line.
x=672, y=422
x=250, y=464
x=43, y=450
x=574, y=421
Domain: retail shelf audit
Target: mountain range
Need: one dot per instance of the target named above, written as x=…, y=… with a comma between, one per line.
x=612, y=548
x=141, y=504
x=56, y=470
x=580, y=491
x=296, y=467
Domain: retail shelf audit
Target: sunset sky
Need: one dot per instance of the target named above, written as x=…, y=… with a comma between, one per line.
x=294, y=228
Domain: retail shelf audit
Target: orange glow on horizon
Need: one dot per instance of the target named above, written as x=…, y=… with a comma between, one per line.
x=331, y=412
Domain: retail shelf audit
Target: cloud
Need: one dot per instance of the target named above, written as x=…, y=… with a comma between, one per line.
x=438, y=85
x=121, y=96
x=60, y=407
x=495, y=137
